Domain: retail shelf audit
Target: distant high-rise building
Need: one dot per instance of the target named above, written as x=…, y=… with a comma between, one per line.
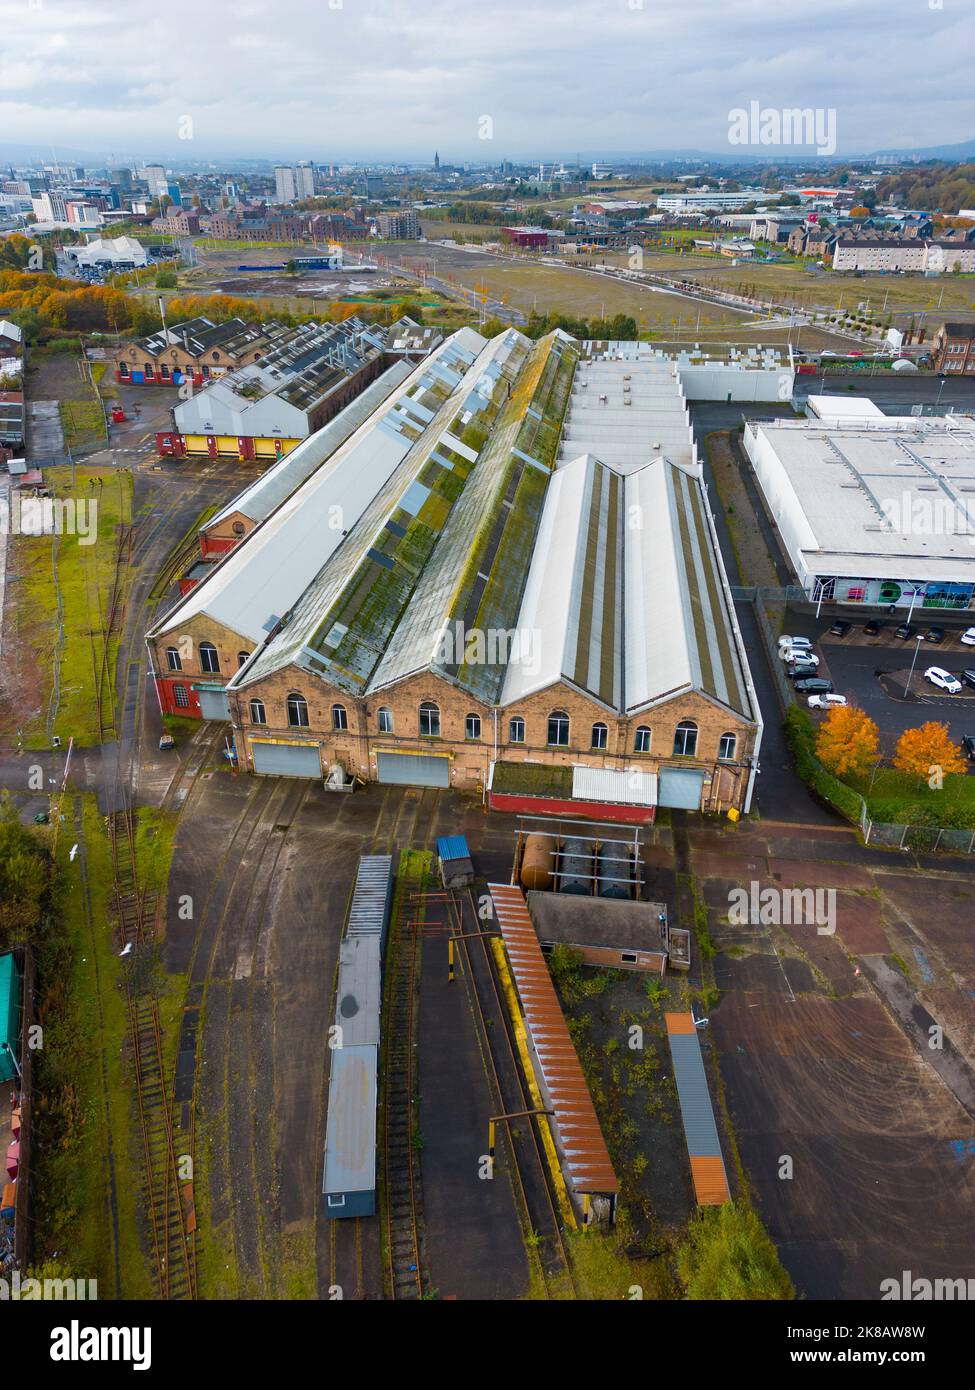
x=285, y=186
x=436, y=162
x=305, y=180
x=123, y=177
x=399, y=226
x=155, y=177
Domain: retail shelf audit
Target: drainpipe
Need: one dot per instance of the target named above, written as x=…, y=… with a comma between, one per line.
x=155, y=679
x=754, y=768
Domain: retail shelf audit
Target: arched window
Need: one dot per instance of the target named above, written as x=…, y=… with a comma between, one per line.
x=258, y=715
x=516, y=729
x=297, y=712
x=181, y=697
x=641, y=743
x=600, y=735
x=340, y=720
x=173, y=659
x=472, y=726
x=685, y=739
x=241, y=658
x=558, y=728
x=429, y=720
x=727, y=747
x=209, y=660
x=385, y=720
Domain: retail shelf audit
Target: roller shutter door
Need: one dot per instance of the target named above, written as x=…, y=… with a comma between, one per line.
x=213, y=705
x=414, y=769
x=286, y=760
x=680, y=787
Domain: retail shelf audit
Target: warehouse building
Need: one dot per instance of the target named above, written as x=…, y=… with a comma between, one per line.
x=470, y=609
x=262, y=497
x=192, y=351
x=874, y=511
x=203, y=640
x=303, y=377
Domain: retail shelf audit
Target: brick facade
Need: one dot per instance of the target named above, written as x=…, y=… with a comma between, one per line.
x=160, y=368
x=186, y=642
x=356, y=746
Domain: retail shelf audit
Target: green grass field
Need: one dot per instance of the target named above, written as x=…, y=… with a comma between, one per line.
x=83, y=423
x=43, y=566
x=85, y=1070
x=900, y=799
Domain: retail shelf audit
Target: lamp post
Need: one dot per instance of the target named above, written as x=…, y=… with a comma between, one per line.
x=917, y=647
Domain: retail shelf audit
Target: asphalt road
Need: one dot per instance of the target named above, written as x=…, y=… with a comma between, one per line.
x=853, y=660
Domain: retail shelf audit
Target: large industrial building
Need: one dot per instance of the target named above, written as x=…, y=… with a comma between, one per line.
x=303, y=377
x=872, y=509
x=510, y=561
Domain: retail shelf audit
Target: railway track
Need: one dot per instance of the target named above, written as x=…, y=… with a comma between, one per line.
x=171, y=1247
x=401, y=1166
x=529, y=1168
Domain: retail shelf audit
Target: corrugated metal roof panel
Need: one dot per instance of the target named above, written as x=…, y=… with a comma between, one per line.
x=350, y=1130
x=700, y=1130
x=372, y=895
x=624, y=786
x=587, y=1162
x=452, y=847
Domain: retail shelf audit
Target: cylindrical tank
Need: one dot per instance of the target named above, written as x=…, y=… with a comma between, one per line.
x=575, y=869
x=538, y=862
x=614, y=865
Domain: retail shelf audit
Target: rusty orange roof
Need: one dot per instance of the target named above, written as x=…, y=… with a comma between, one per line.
x=587, y=1163
x=679, y=1023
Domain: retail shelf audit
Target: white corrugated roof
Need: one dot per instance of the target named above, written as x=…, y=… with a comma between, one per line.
x=551, y=597
x=268, y=492
x=624, y=786
x=264, y=576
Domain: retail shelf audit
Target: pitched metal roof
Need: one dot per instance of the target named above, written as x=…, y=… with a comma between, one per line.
x=586, y=1161
x=626, y=595
x=265, y=576
x=260, y=498
x=703, y=1146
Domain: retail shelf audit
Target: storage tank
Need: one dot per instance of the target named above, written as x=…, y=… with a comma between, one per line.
x=614, y=865
x=538, y=862
x=576, y=867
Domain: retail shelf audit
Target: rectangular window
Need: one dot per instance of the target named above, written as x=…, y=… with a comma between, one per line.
x=628, y=957
x=182, y=699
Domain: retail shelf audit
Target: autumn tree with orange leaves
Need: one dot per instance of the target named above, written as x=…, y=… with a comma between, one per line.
x=847, y=742
x=927, y=750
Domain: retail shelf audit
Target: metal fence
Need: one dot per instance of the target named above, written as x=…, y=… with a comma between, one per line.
x=946, y=839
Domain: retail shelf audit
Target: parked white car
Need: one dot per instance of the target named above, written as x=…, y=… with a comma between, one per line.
x=967, y=638
x=938, y=676
x=795, y=642
x=825, y=701
x=807, y=660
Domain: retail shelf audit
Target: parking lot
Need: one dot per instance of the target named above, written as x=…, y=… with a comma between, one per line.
x=851, y=662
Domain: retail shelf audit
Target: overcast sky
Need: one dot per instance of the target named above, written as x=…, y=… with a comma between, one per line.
x=397, y=79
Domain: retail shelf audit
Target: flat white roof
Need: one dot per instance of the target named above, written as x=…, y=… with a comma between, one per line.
x=844, y=408
x=888, y=499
